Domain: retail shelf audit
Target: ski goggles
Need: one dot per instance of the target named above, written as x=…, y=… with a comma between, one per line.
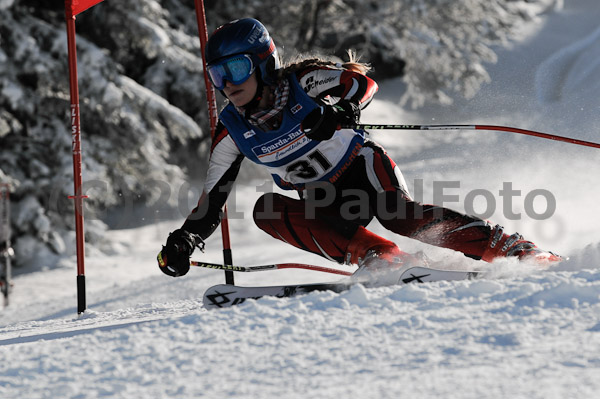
x=236, y=69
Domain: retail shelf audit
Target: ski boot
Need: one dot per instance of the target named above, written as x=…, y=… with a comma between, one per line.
x=380, y=261
x=502, y=245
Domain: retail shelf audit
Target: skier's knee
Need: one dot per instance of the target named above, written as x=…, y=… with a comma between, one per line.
x=264, y=209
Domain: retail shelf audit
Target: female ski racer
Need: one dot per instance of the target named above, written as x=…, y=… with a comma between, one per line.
x=290, y=120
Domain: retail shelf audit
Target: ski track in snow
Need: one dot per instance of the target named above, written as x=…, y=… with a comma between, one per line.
x=516, y=333
x=569, y=69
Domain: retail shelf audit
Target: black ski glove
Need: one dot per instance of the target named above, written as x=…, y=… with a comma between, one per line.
x=174, y=258
x=321, y=123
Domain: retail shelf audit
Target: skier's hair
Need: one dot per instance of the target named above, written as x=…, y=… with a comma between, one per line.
x=304, y=61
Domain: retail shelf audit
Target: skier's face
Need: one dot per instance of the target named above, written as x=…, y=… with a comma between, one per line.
x=243, y=93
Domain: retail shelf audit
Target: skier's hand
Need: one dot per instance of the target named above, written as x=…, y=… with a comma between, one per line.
x=321, y=123
x=174, y=258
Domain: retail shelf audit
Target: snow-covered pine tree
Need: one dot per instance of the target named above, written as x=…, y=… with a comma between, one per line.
x=441, y=47
x=142, y=94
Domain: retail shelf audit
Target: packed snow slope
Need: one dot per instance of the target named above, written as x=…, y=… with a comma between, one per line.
x=516, y=333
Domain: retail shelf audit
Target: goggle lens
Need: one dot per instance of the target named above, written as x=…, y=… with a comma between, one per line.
x=236, y=70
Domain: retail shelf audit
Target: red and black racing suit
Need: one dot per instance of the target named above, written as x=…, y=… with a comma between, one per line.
x=371, y=187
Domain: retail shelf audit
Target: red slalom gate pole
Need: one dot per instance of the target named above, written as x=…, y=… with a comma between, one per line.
x=476, y=127
x=77, y=179
x=72, y=8
x=213, y=117
x=211, y=98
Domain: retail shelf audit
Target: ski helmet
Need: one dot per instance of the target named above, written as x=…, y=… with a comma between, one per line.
x=245, y=36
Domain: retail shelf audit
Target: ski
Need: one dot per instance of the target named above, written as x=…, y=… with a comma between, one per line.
x=225, y=295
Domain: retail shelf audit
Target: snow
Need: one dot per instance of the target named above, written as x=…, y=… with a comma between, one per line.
x=519, y=332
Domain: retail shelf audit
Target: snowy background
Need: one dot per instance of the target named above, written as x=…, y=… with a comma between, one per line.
x=519, y=332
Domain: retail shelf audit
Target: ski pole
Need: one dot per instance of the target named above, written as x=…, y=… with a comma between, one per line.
x=262, y=268
x=476, y=127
